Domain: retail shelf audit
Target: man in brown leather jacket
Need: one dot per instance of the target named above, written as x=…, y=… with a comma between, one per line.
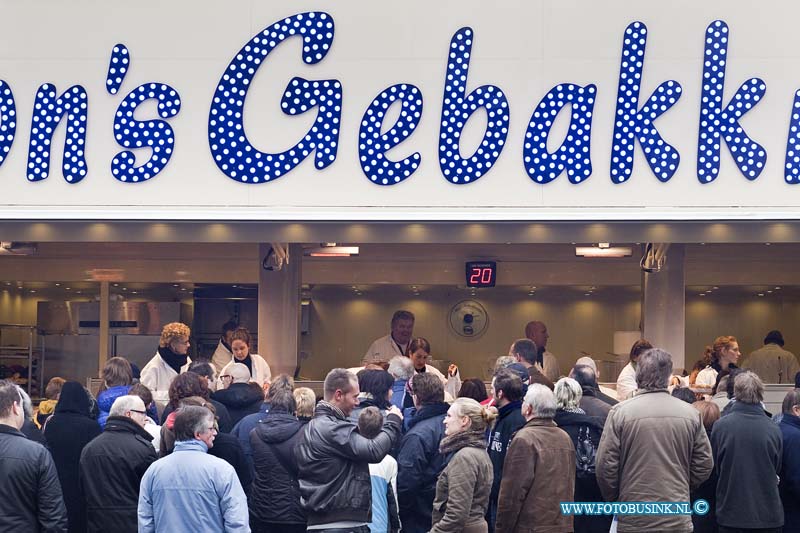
x=538, y=472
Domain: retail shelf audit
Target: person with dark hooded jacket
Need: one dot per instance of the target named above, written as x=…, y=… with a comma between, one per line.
x=31, y=494
x=419, y=462
x=67, y=432
x=274, y=501
x=509, y=389
x=241, y=397
x=333, y=458
x=112, y=466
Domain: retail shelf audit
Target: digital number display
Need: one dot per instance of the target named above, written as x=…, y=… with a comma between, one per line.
x=481, y=273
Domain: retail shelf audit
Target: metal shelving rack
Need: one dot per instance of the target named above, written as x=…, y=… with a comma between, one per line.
x=33, y=353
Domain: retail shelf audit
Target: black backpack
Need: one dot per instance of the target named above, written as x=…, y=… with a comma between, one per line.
x=585, y=453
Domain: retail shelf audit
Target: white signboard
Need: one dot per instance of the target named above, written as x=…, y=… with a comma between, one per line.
x=420, y=110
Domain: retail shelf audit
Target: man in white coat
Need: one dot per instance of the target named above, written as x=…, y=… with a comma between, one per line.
x=546, y=362
x=223, y=354
x=395, y=343
x=170, y=359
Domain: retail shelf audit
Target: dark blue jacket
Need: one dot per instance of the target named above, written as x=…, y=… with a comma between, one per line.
x=509, y=420
x=748, y=450
x=419, y=464
x=275, y=497
x=242, y=432
x=399, y=393
x=790, y=472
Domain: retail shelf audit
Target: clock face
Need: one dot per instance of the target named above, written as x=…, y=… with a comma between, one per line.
x=468, y=318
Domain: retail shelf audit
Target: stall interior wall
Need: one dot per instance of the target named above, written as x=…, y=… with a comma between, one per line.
x=342, y=325
x=748, y=318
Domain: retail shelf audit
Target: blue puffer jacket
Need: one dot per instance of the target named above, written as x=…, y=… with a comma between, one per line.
x=106, y=399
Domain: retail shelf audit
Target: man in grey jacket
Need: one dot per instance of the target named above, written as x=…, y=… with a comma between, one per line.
x=653, y=449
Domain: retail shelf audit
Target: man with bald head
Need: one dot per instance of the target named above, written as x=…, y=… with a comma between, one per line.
x=240, y=396
x=545, y=361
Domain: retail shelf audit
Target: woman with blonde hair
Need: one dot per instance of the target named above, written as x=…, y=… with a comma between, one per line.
x=723, y=355
x=306, y=401
x=462, y=490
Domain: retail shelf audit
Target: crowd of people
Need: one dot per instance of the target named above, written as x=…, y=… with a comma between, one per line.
x=222, y=445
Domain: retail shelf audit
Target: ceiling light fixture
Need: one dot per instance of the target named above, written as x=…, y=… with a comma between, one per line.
x=331, y=249
x=609, y=251
x=17, y=248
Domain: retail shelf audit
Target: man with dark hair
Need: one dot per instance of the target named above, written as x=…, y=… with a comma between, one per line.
x=383, y=476
x=112, y=466
x=223, y=353
x=590, y=402
x=334, y=458
x=31, y=493
x=526, y=353
x=395, y=343
x=653, y=433
x=175, y=487
x=771, y=362
x=206, y=370
x=418, y=459
x=748, y=449
x=508, y=390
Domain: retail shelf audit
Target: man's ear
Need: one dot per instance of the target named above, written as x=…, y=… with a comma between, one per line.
x=499, y=393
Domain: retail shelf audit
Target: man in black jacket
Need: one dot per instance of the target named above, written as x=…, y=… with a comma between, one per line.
x=112, y=466
x=509, y=390
x=241, y=397
x=333, y=458
x=32, y=499
x=419, y=462
x=591, y=400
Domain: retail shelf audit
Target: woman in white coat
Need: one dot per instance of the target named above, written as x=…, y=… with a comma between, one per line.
x=240, y=346
x=170, y=359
